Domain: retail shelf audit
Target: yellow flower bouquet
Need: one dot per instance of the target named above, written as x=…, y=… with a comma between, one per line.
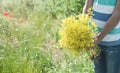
x=77, y=33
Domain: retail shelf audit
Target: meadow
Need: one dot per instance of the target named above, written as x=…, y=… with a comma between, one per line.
x=29, y=37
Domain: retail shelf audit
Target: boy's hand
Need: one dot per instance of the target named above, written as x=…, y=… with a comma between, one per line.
x=96, y=41
x=95, y=44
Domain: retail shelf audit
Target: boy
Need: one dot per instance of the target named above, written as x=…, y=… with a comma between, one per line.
x=107, y=17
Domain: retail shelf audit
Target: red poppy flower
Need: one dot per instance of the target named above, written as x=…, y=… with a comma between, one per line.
x=21, y=20
x=5, y=13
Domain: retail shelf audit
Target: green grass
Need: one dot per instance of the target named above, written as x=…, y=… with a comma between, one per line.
x=31, y=46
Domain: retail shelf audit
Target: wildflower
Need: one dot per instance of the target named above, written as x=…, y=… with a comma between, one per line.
x=77, y=32
x=5, y=13
x=21, y=20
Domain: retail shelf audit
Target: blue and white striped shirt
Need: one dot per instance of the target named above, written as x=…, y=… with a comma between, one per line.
x=102, y=10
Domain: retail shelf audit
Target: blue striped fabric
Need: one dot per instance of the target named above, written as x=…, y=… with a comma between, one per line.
x=102, y=10
x=112, y=32
x=106, y=2
x=101, y=16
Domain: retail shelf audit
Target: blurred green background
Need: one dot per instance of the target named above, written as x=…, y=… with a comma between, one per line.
x=29, y=37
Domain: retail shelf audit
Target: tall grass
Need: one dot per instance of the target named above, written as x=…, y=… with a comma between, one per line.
x=31, y=46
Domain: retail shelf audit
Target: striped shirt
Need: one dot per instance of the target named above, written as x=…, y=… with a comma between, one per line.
x=102, y=10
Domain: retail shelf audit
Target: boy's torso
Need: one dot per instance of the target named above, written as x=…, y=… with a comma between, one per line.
x=102, y=10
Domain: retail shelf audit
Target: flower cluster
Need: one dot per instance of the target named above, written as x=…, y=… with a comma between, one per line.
x=77, y=33
x=9, y=15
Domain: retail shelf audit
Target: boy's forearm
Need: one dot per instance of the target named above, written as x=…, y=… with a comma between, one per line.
x=111, y=23
x=88, y=4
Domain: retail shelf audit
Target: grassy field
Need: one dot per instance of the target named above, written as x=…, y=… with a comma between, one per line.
x=29, y=37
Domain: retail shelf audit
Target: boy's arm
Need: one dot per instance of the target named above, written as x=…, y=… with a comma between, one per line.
x=88, y=4
x=111, y=23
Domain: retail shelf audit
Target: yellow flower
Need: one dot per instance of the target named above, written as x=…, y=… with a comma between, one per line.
x=77, y=32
